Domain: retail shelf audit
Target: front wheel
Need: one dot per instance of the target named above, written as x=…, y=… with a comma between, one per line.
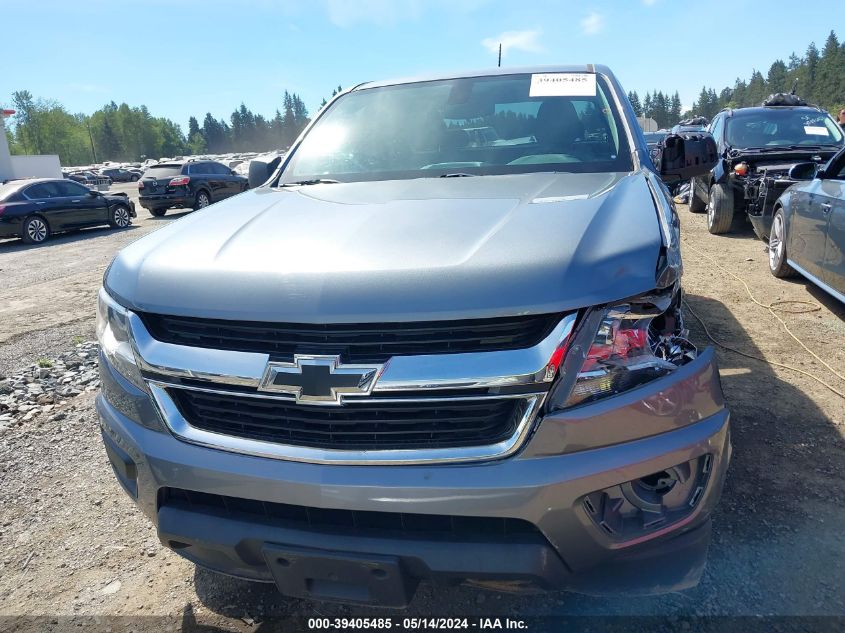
x=119, y=217
x=777, y=248
x=202, y=200
x=696, y=204
x=720, y=209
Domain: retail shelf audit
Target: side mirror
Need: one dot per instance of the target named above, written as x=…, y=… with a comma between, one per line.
x=94, y=194
x=233, y=172
x=804, y=171
x=682, y=156
x=259, y=172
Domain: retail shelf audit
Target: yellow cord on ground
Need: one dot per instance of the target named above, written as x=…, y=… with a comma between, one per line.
x=812, y=307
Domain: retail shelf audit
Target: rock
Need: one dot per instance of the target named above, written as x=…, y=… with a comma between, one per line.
x=112, y=588
x=5, y=387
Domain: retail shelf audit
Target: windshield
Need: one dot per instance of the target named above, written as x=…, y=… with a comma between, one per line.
x=774, y=127
x=654, y=137
x=163, y=171
x=468, y=126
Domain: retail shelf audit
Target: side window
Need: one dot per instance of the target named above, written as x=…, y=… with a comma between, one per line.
x=222, y=170
x=36, y=192
x=71, y=189
x=841, y=169
x=716, y=129
x=43, y=190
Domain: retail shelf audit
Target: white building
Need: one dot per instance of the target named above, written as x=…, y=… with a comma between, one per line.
x=16, y=167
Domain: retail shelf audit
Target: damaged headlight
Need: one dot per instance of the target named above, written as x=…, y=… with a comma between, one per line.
x=115, y=338
x=629, y=348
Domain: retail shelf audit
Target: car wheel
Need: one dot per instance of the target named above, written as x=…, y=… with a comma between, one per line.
x=119, y=217
x=696, y=204
x=777, y=248
x=158, y=212
x=35, y=230
x=720, y=209
x=202, y=200
x=135, y=178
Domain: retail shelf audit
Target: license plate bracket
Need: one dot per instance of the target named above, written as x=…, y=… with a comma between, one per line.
x=339, y=576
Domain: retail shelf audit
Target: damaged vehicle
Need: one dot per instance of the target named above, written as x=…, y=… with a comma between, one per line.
x=409, y=355
x=757, y=148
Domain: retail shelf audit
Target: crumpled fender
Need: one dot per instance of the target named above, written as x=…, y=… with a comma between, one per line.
x=720, y=171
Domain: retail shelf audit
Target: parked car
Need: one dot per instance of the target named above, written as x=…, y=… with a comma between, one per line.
x=187, y=184
x=403, y=358
x=118, y=174
x=654, y=138
x=35, y=209
x=89, y=178
x=694, y=124
x=808, y=228
x=757, y=148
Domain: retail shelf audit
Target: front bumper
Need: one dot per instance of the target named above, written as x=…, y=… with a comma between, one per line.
x=662, y=424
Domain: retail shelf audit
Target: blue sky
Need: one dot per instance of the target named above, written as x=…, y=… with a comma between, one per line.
x=193, y=56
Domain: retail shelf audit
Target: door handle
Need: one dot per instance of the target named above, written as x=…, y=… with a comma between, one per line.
x=40, y=203
x=76, y=200
x=826, y=208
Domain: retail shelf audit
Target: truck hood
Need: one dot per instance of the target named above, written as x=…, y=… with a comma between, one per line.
x=402, y=250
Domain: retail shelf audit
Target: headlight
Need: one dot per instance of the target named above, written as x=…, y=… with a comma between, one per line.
x=115, y=338
x=625, y=352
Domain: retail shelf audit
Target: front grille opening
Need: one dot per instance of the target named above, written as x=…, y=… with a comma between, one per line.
x=355, y=426
x=349, y=521
x=355, y=343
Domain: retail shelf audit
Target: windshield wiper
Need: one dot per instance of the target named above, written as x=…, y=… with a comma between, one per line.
x=313, y=181
x=457, y=175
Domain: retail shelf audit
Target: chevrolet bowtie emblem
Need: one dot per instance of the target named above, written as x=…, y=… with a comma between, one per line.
x=319, y=379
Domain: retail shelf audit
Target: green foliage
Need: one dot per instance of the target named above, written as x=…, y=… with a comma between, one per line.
x=122, y=133
x=45, y=362
x=819, y=77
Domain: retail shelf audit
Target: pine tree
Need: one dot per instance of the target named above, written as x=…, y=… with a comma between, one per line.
x=634, y=98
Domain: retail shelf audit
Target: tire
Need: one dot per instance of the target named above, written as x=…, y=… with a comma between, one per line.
x=777, y=248
x=135, y=178
x=119, y=217
x=203, y=199
x=720, y=209
x=35, y=230
x=696, y=204
x=159, y=213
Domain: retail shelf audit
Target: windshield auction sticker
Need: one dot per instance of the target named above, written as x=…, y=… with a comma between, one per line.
x=816, y=130
x=563, y=85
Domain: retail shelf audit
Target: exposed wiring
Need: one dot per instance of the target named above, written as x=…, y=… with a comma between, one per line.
x=811, y=307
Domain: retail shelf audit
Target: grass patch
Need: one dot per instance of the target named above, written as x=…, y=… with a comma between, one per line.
x=45, y=362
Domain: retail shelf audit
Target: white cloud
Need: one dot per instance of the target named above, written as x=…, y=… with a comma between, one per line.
x=592, y=23
x=517, y=40
x=649, y=3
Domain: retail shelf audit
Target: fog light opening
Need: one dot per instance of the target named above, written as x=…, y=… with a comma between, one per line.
x=634, y=508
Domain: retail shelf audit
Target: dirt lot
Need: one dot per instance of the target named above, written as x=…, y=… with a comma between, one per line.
x=72, y=543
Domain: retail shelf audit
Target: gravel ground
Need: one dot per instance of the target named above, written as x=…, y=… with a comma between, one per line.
x=71, y=543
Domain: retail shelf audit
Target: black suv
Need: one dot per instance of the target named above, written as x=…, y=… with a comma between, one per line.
x=187, y=184
x=757, y=147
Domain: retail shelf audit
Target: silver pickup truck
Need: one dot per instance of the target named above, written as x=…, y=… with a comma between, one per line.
x=416, y=352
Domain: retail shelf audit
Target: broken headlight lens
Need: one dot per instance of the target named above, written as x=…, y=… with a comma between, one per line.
x=620, y=357
x=114, y=336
